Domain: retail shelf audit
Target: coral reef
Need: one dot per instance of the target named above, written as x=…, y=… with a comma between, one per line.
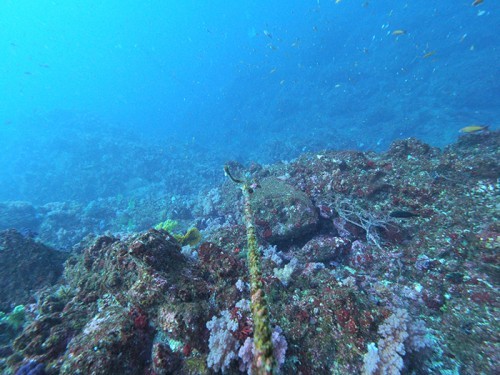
x=19, y=215
x=391, y=268
x=25, y=266
x=137, y=297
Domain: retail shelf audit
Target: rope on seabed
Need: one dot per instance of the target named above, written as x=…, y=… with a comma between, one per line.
x=263, y=361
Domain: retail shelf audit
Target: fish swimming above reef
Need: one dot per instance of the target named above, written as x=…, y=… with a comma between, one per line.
x=428, y=54
x=475, y=3
x=268, y=34
x=399, y=32
x=474, y=129
x=403, y=214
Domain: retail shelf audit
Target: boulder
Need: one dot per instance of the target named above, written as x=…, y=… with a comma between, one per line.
x=25, y=267
x=324, y=249
x=282, y=213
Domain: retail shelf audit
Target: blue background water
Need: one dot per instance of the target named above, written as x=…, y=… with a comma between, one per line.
x=99, y=97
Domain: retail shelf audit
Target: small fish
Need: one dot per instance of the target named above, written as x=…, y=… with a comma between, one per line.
x=475, y=3
x=403, y=214
x=399, y=32
x=428, y=54
x=268, y=34
x=474, y=128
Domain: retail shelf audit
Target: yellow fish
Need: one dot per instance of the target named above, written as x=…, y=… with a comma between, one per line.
x=428, y=54
x=474, y=128
x=399, y=32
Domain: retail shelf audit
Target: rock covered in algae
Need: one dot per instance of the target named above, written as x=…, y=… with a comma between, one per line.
x=25, y=267
x=132, y=307
x=282, y=213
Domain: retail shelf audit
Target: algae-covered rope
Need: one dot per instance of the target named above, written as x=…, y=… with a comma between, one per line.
x=264, y=362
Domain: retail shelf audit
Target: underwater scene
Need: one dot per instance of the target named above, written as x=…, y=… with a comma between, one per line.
x=246, y=187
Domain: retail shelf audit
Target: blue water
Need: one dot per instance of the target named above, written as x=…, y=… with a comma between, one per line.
x=100, y=96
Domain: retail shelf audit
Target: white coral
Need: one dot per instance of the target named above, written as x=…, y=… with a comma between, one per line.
x=222, y=344
x=285, y=274
x=390, y=348
x=247, y=351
